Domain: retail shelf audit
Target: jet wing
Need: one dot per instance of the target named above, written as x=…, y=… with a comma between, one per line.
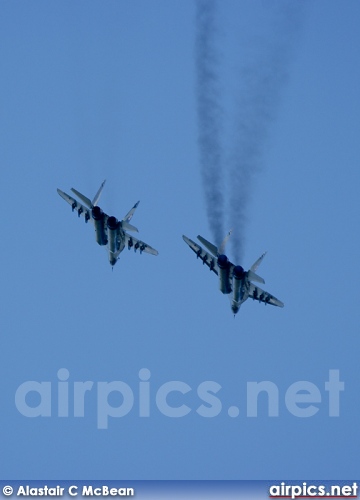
x=76, y=206
x=257, y=294
x=132, y=242
x=206, y=257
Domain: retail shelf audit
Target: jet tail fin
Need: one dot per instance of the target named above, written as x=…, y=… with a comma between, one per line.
x=257, y=263
x=86, y=200
x=255, y=277
x=129, y=227
x=83, y=198
x=212, y=248
x=251, y=272
x=97, y=196
x=129, y=215
x=224, y=242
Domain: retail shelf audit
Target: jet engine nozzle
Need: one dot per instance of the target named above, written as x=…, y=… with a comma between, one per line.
x=239, y=272
x=112, y=223
x=97, y=213
x=98, y=216
x=235, y=306
x=223, y=261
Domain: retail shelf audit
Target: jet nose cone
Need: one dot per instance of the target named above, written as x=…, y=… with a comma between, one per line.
x=235, y=308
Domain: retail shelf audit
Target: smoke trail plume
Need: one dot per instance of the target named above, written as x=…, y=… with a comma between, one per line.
x=262, y=80
x=209, y=115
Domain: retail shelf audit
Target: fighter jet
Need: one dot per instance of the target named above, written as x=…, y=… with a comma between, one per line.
x=109, y=230
x=232, y=279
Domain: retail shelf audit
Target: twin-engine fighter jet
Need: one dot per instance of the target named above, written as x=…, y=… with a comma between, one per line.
x=108, y=230
x=232, y=279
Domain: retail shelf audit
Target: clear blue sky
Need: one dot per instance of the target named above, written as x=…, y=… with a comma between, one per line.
x=93, y=90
